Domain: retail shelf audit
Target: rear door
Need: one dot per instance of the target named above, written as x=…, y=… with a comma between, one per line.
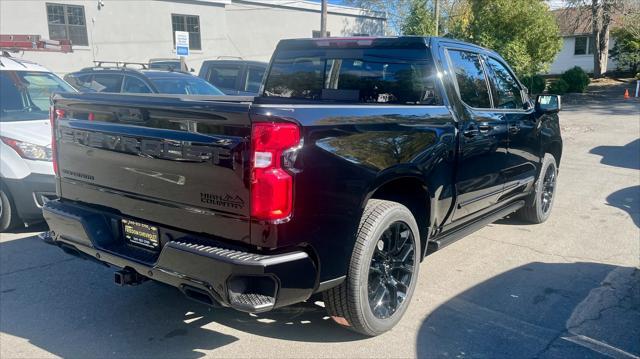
x=511, y=103
x=483, y=136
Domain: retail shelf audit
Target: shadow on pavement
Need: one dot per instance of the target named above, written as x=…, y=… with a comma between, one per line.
x=627, y=199
x=537, y=310
x=71, y=308
x=627, y=156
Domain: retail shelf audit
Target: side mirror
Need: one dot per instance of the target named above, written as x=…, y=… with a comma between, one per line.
x=548, y=104
x=192, y=70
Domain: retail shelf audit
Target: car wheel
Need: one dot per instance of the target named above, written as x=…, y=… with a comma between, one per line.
x=382, y=273
x=539, y=205
x=8, y=215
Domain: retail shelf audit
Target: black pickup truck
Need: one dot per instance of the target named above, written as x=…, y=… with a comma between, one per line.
x=359, y=157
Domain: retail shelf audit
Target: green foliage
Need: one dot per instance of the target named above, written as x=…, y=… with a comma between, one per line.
x=638, y=76
x=524, y=32
x=420, y=20
x=559, y=87
x=577, y=79
x=536, y=83
x=626, y=51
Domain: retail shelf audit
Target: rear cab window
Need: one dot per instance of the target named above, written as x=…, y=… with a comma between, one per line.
x=358, y=74
x=224, y=76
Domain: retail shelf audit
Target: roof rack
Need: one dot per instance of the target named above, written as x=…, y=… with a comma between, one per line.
x=122, y=64
x=229, y=57
x=17, y=43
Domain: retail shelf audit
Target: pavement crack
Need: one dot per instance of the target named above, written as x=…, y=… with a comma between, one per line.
x=565, y=257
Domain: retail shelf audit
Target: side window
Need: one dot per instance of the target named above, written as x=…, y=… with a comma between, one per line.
x=107, y=83
x=134, y=85
x=470, y=77
x=80, y=82
x=254, y=79
x=506, y=91
x=224, y=77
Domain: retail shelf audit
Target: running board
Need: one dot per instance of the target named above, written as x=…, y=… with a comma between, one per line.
x=458, y=233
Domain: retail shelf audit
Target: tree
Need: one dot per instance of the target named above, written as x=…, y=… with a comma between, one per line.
x=420, y=20
x=626, y=50
x=600, y=13
x=524, y=32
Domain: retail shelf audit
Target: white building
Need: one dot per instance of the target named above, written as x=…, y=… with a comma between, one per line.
x=577, y=42
x=138, y=30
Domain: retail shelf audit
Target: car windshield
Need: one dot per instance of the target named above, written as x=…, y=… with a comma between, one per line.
x=185, y=85
x=26, y=94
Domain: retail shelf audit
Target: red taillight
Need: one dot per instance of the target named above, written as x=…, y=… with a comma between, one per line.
x=54, y=114
x=271, y=185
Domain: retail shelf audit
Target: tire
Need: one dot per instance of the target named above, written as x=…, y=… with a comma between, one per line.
x=539, y=204
x=8, y=216
x=378, y=271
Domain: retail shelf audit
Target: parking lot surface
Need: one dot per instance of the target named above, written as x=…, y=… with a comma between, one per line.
x=567, y=288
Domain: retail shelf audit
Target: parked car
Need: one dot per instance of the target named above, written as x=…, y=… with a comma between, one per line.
x=360, y=157
x=234, y=77
x=26, y=170
x=170, y=64
x=127, y=80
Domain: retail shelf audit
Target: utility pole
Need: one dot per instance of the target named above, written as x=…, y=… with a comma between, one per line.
x=323, y=19
x=436, y=10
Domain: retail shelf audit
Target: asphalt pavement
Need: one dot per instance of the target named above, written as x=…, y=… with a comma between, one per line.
x=567, y=288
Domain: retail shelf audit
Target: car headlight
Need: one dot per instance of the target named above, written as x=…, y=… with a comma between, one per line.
x=28, y=150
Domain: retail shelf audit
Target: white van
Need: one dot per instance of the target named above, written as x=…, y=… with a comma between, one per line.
x=26, y=170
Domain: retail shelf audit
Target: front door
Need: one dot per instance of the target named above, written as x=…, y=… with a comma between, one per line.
x=483, y=140
x=510, y=102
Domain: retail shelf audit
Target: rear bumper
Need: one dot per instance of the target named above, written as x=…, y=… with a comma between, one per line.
x=202, y=268
x=30, y=193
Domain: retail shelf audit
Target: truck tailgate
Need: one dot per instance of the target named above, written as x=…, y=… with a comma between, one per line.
x=179, y=162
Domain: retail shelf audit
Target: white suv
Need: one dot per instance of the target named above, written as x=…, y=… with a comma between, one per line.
x=26, y=171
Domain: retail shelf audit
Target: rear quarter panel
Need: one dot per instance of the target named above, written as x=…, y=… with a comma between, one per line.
x=349, y=151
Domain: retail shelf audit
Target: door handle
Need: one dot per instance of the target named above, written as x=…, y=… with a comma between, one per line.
x=485, y=127
x=471, y=132
x=514, y=128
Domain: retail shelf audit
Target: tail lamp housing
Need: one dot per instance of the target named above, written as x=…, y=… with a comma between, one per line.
x=271, y=183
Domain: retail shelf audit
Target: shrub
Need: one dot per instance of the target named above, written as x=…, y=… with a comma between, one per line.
x=536, y=84
x=559, y=87
x=577, y=79
x=638, y=76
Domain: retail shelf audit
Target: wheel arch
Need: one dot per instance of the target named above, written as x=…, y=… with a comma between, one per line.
x=555, y=149
x=412, y=192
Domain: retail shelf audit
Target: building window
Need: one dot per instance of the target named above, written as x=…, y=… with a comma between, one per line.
x=67, y=22
x=583, y=45
x=189, y=23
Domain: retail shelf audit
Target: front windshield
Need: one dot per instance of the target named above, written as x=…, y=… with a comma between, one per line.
x=26, y=94
x=186, y=85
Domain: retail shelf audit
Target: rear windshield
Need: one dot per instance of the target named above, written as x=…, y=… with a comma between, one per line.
x=377, y=76
x=26, y=94
x=185, y=85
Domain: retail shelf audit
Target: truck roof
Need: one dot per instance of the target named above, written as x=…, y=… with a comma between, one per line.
x=391, y=42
